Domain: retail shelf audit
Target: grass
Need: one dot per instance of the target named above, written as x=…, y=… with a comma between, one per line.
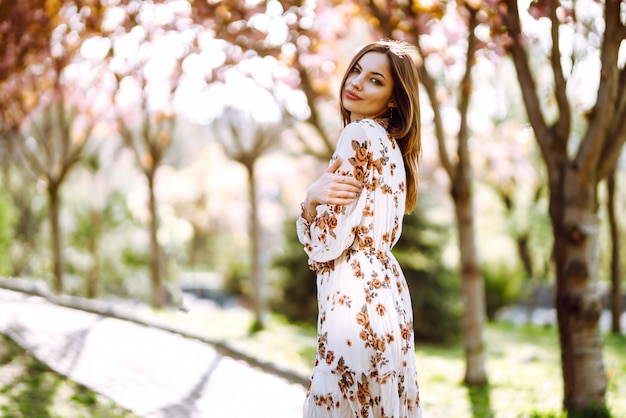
x=524, y=371
x=523, y=365
x=29, y=389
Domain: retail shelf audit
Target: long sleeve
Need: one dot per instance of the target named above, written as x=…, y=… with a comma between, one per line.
x=335, y=227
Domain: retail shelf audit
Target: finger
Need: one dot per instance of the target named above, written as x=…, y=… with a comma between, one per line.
x=341, y=201
x=351, y=192
x=350, y=185
x=343, y=194
x=334, y=166
x=350, y=182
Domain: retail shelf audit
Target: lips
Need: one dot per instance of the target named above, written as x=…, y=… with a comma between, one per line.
x=351, y=95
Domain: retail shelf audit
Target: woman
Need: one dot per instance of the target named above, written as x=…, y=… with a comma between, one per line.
x=350, y=220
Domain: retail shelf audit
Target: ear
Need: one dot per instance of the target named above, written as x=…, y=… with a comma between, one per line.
x=391, y=104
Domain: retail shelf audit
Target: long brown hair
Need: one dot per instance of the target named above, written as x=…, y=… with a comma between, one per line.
x=404, y=125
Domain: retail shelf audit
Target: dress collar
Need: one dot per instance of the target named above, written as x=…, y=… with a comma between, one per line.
x=384, y=122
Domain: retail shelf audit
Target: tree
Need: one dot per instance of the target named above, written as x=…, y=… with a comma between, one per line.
x=149, y=145
x=303, y=36
x=507, y=164
x=147, y=50
x=92, y=218
x=460, y=51
x=246, y=137
x=53, y=146
x=40, y=109
x=28, y=26
x=53, y=137
x=575, y=163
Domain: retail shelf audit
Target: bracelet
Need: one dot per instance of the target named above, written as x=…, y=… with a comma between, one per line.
x=306, y=212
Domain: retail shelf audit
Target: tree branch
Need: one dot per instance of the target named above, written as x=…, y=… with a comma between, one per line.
x=596, y=141
x=465, y=94
x=429, y=83
x=617, y=134
x=314, y=119
x=527, y=83
x=127, y=138
x=77, y=152
x=563, y=124
x=44, y=132
x=383, y=17
x=431, y=91
x=32, y=161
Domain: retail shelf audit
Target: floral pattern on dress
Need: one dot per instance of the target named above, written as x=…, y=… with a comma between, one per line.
x=365, y=362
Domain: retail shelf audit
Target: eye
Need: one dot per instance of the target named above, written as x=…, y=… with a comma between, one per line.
x=376, y=81
x=356, y=70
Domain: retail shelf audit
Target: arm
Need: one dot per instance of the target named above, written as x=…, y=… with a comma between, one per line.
x=333, y=229
x=330, y=188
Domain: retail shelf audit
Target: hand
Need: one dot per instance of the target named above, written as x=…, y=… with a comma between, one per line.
x=332, y=189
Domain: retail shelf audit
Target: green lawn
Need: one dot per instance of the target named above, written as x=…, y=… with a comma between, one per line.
x=523, y=365
x=524, y=370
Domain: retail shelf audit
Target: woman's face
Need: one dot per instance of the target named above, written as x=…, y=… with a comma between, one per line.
x=368, y=87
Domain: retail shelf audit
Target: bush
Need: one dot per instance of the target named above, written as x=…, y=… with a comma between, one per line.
x=434, y=291
x=8, y=218
x=503, y=285
x=297, y=295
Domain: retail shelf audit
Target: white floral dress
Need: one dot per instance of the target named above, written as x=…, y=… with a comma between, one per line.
x=365, y=363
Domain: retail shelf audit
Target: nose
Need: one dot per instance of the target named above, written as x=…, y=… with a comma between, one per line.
x=356, y=81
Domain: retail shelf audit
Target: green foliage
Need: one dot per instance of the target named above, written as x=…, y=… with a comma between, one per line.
x=594, y=411
x=297, y=299
x=480, y=399
x=133, y=258
x=434, y=292
x=237, y=281
x=537, y=414
x=84, y=396
x=8, y=219
x=26, y=213
x=91, y=221
x=503, y=285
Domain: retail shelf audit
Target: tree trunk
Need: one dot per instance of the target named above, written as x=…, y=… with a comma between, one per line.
x=525, y=256
x=472, y=287
x=92, y=284
x=158, y=296
x=573, y=210
x=255, y=255
x=55, y=236
x=616, y=279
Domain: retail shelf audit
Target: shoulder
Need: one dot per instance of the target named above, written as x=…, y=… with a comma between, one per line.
x=363, y=128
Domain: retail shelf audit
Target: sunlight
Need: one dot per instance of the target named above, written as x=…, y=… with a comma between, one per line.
x=95, y=48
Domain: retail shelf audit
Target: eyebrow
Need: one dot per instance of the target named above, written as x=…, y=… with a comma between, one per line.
x=372, y=72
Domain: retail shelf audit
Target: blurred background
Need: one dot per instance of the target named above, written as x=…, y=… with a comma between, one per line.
x=155, y=153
